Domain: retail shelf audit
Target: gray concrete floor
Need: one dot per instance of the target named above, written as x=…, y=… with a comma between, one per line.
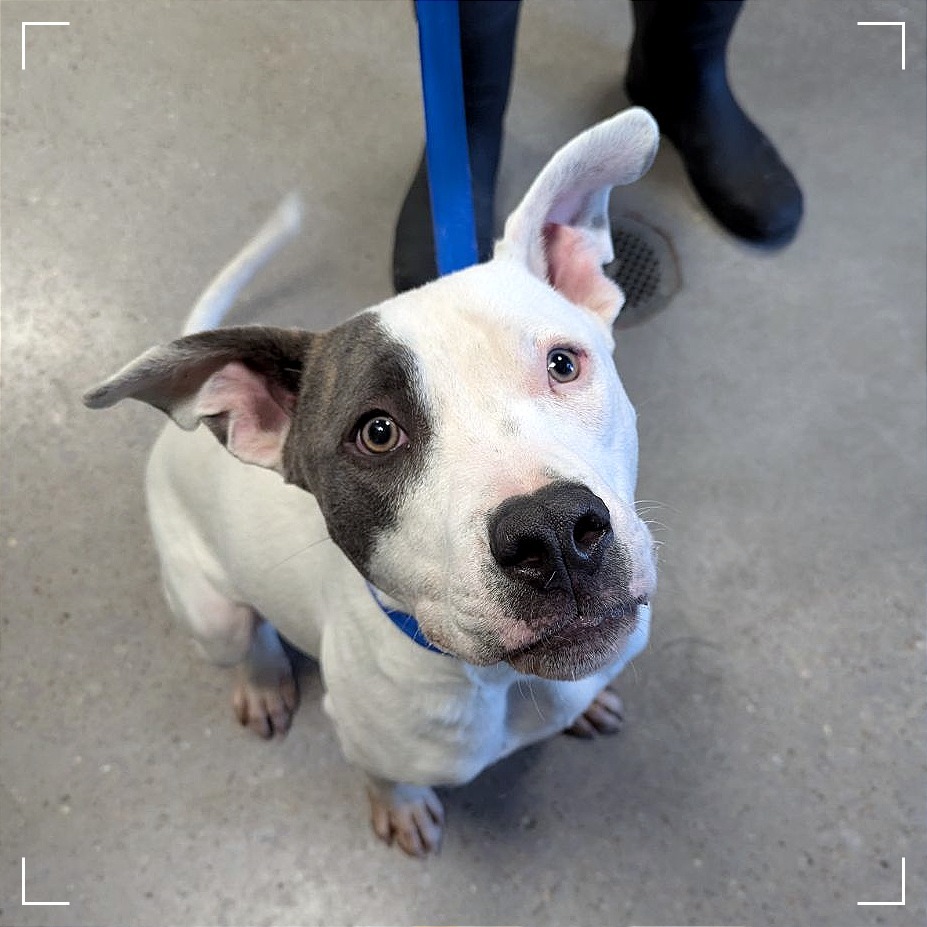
x=773, y=770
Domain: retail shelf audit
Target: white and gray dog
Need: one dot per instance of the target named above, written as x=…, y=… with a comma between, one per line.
x=471, y=452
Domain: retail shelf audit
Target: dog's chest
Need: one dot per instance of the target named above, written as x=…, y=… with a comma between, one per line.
x=425, y=718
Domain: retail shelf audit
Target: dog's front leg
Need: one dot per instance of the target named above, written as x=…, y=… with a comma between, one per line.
x=265, y=694
x=412, y=814
x=605, y=715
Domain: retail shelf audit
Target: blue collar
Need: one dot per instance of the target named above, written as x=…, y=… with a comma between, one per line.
x=405, y=622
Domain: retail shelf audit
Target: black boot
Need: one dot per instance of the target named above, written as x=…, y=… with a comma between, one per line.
x=677, y=70
x=487, y=45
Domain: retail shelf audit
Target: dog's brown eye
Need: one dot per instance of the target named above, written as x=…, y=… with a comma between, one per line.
x=378, y=435
x=562, y=365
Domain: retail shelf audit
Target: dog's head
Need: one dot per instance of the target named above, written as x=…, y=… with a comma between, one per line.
x=469, y=443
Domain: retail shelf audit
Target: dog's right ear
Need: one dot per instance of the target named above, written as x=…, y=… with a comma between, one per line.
x=560, y=229
x=242, y=383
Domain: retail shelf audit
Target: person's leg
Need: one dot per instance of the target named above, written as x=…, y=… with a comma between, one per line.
x=677, y=70
x=487, y=45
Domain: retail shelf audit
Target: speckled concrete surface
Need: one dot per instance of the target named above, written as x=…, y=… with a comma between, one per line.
x=773, y=771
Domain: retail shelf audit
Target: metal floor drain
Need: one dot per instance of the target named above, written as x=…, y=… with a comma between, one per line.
x=645, y=268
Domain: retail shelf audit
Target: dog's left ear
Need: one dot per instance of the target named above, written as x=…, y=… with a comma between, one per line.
x=242, y=383
x=560, y=230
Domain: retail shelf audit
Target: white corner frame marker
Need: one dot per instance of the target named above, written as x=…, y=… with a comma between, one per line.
x=24, y=36
x=882, y=904
x=891, y=24
x=42, y=903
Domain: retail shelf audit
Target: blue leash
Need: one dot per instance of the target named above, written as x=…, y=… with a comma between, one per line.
x=446, y=135
x=405, y=622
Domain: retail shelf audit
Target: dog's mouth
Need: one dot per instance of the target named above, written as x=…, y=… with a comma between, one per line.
x=578, y=648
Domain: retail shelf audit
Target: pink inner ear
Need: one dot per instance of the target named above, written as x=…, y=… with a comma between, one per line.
x=257, y=414
x=574, y=269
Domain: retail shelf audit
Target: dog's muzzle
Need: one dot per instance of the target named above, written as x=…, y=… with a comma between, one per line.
x=569, y=580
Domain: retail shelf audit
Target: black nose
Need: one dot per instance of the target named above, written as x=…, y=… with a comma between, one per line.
x=551, y=537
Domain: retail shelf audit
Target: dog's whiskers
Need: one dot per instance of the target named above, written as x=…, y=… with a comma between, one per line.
x=302, y=550
x=652, y=504
x=521, y=692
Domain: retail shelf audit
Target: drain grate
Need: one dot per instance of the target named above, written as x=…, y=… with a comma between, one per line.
x=645, y=268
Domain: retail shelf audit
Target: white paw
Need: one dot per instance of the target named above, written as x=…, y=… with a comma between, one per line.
x=266, y=707
x=410, y=814
x=605, y=715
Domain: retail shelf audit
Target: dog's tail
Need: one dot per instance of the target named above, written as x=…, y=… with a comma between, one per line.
x=281, y=228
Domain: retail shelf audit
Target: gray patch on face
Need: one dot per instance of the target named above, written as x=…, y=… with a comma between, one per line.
x=348, y=373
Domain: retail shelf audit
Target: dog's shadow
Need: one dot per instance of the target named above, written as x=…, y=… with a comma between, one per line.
x=496, y=802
